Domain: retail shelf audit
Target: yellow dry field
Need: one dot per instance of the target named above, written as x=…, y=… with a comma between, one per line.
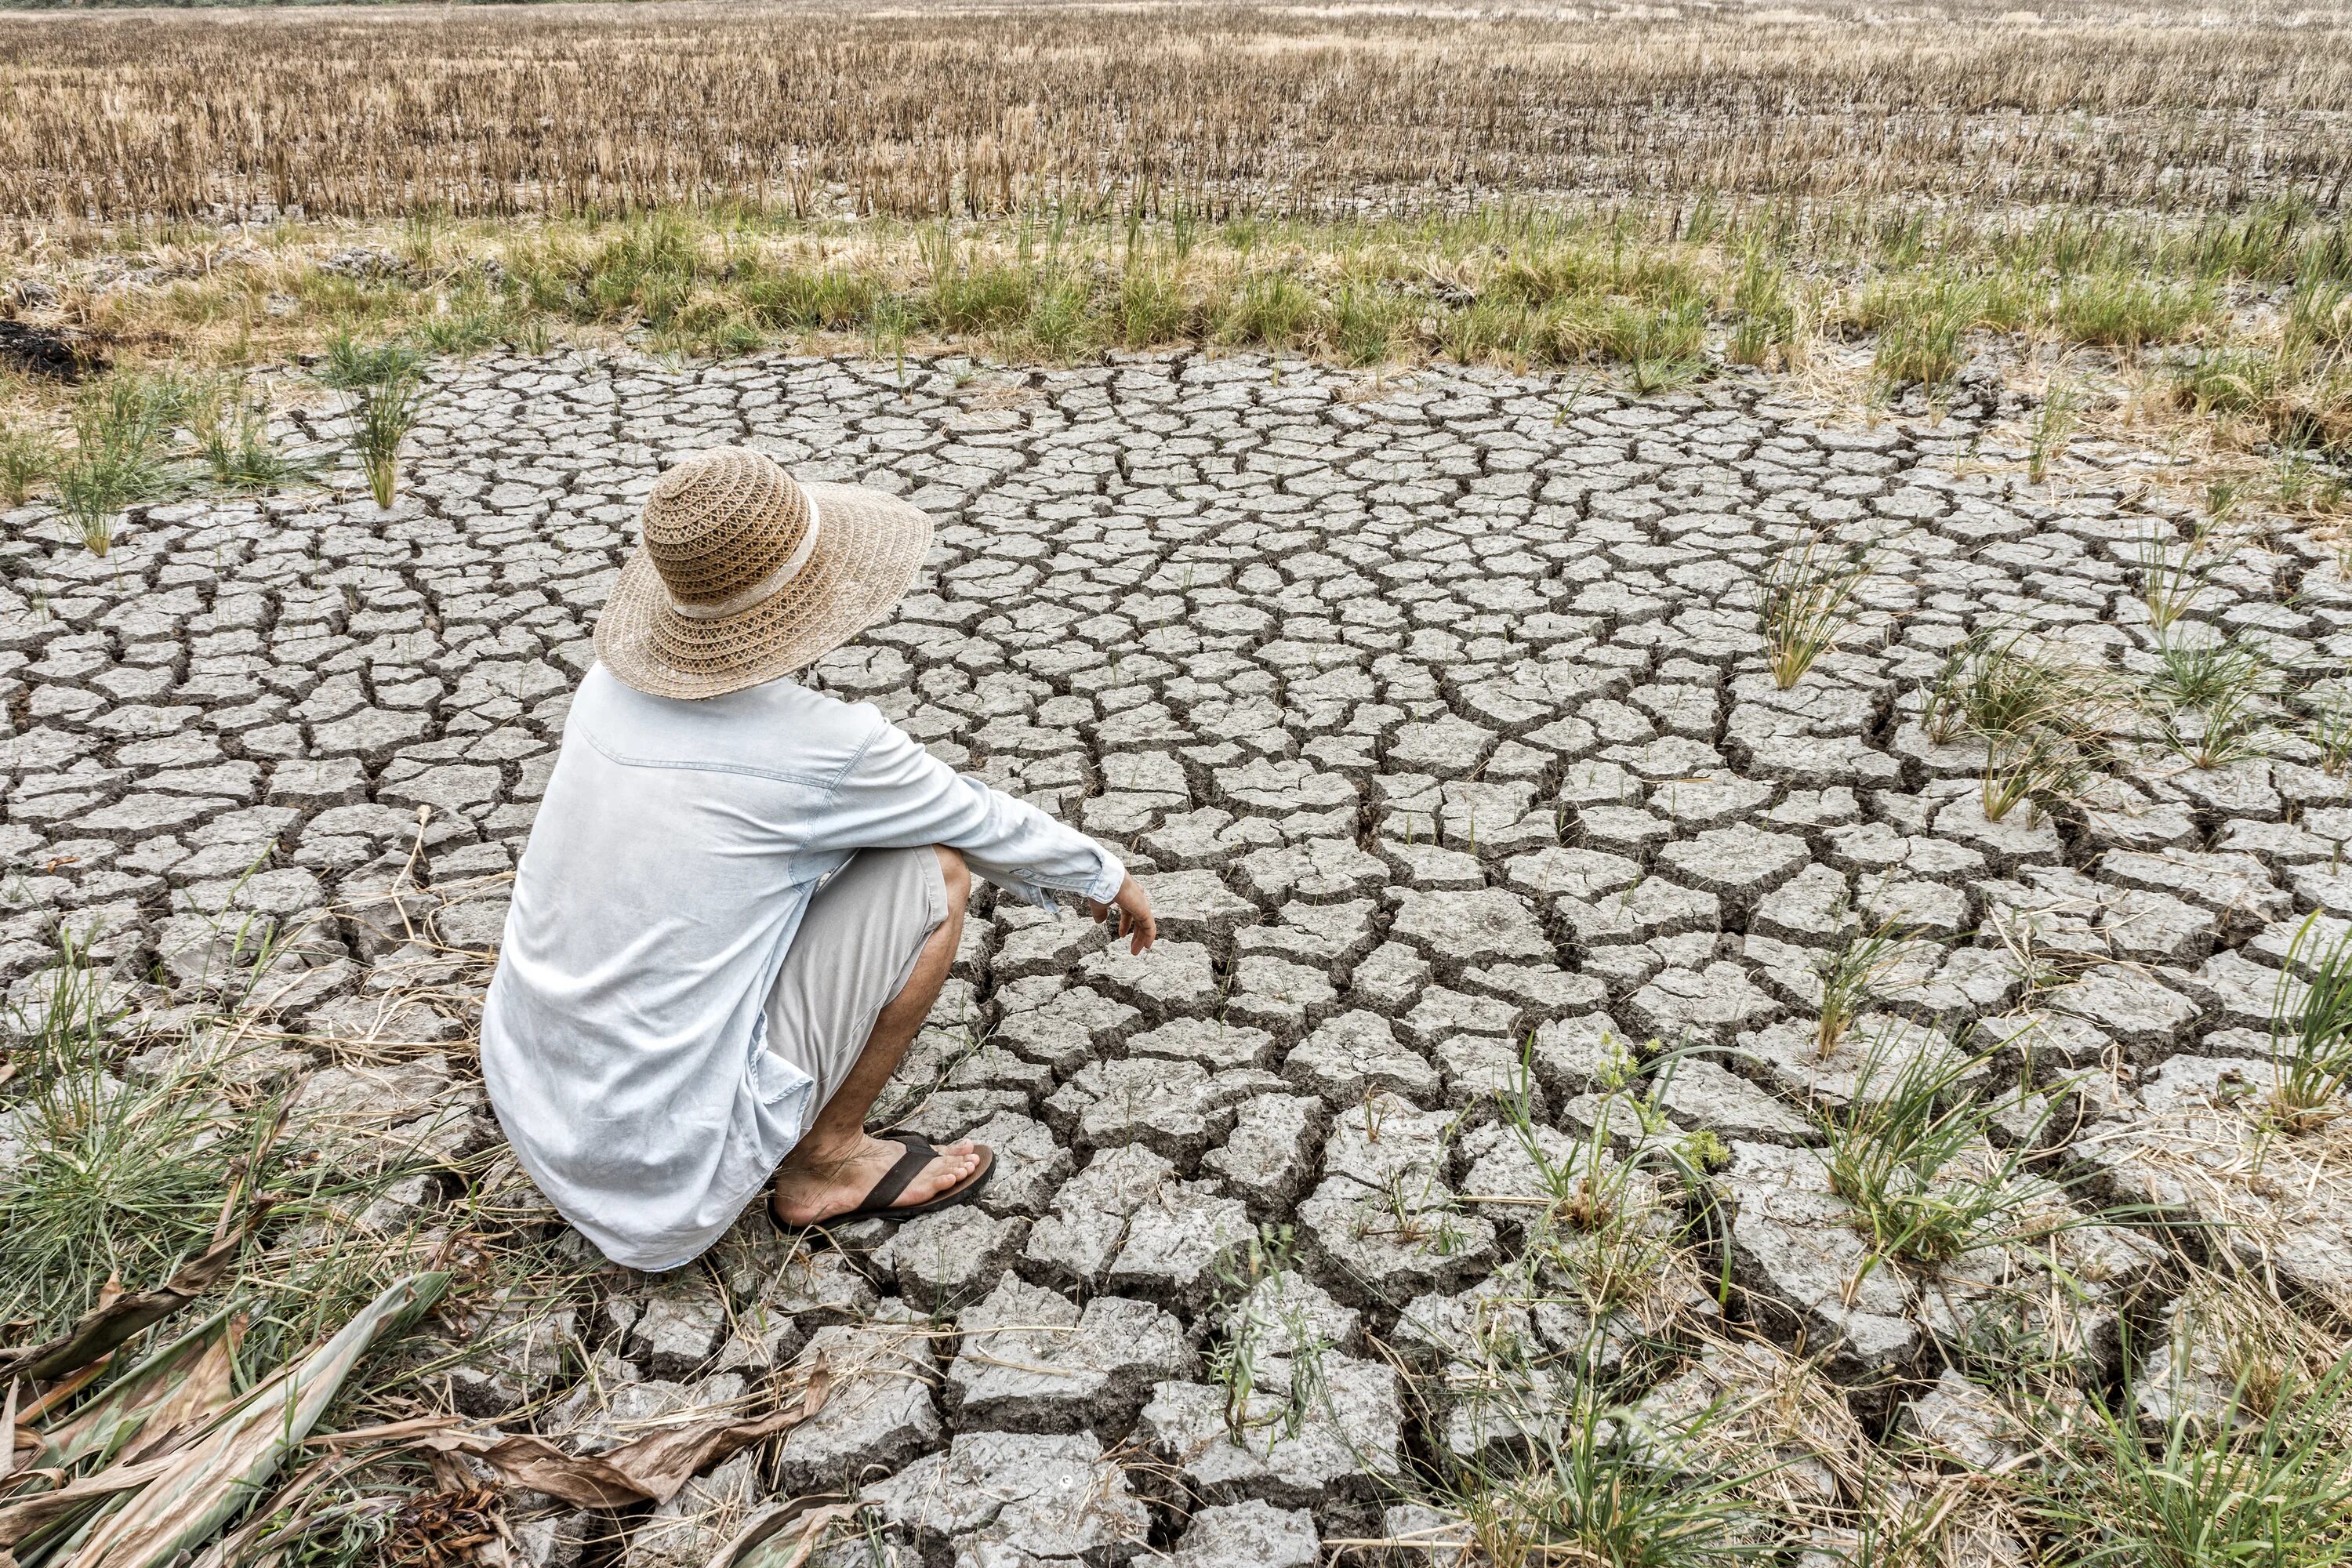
x=1209, y=109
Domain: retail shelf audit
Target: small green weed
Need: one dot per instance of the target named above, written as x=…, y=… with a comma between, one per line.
x=26, y=458
x=2311, y=1030
x=2270, y=1493
x=385, y=394
x=1850, y=978
x=1803, y=599
x=1910, y=1154
x=2053, y=428
x=2172, y=574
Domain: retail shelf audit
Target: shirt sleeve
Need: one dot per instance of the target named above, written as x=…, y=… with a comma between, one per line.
x=896, y=796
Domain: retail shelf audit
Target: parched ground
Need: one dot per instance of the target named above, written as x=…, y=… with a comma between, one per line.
x=1435, y=713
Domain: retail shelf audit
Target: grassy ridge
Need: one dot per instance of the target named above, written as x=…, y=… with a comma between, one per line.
x=2238, y=325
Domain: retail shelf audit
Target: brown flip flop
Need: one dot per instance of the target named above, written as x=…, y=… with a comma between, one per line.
x=920, y=1152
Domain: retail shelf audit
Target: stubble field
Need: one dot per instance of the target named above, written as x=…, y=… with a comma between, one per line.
x=1217, y=110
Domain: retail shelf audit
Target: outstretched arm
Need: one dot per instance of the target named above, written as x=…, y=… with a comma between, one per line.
x=897, y=795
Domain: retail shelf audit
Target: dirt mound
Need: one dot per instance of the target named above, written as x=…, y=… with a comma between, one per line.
x=38, y=351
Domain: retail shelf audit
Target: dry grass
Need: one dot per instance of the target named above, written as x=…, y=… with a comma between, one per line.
x=817, y=108
x=1649, y=297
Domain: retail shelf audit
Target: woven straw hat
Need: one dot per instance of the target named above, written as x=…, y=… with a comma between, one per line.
x=741, y=575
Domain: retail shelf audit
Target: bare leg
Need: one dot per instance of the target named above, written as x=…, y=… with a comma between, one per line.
x=836, y=1164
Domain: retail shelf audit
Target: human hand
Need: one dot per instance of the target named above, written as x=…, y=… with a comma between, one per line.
x=1133, y=906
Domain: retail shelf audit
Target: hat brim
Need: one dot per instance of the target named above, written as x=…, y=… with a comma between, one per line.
x=870, y=545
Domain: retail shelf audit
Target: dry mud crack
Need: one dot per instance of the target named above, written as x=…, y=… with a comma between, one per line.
x=1437, y=716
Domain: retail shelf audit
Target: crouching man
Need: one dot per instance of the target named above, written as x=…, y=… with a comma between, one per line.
x=741, y=896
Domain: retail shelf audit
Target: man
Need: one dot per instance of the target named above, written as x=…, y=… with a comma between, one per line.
x=741, y=896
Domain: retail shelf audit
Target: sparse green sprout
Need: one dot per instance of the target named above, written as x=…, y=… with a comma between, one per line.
x=2223, y=499
x=2311, y=1029
x=2215, y=697
x=2319, y=316
x=1803, y=602
x=385, y=392
x=2306, y=486
x=2172, y=575
x=232, y=432
x=2330, y=730
x=2199, y=675
x=26, y=458
x=1618, y=1065
x=121, y=428
x=1910, y=1154
x=1270, y=1346
x=2054, y=426
x=2041, y=765
x=1850, y=978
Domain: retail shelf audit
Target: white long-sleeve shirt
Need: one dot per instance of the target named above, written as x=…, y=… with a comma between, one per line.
x=667, y=871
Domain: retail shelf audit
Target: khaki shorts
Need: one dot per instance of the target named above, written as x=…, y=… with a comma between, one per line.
x=856, y=946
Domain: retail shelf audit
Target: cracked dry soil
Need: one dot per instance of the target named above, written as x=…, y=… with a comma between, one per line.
x=1436, y=715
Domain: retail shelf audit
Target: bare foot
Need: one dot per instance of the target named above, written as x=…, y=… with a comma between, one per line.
x=811, y=1190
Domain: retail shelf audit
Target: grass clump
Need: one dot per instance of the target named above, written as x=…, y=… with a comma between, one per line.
x=2043, y=766
x=2213, y=698
x=118, y=1180
x=2272, y=1490
x=27, y=457
x=385, y=393
x=1768, y=318
x=2043, y=722
x=2311, y=1030
x=1992, y=685
x=1910, y=1154
x=1598, y=1490
x=1803, y=602
x=2172, y=574
x=2053, y=428
x=2126, y=310
x=2329, y=730
x=232, y=431
x=1663, y=346
x=121, y=428
x=1922, y=324
x=1850, y=979
x=1605, y=1229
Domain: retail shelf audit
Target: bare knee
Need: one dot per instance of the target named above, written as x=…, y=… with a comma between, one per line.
x=958, y=877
